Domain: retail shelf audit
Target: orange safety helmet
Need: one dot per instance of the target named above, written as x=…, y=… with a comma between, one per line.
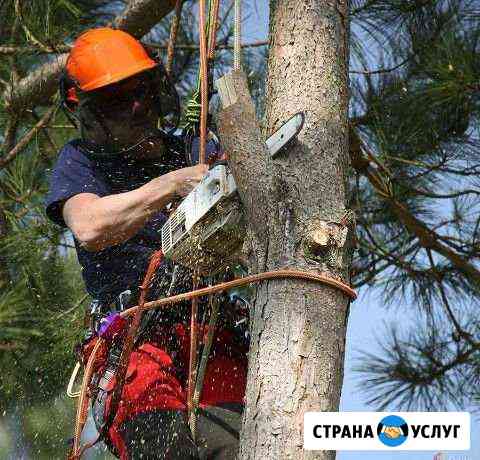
x=103, y=56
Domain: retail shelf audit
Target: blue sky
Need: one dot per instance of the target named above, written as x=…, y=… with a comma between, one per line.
x=367, y=321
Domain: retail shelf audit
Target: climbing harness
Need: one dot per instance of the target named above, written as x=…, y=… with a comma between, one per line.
x=136, y=312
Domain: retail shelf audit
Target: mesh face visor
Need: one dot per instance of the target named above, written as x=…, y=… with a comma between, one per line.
x=127, y=103
x=117, y=101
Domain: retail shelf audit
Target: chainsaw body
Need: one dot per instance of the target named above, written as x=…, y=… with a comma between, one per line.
x=206, y=231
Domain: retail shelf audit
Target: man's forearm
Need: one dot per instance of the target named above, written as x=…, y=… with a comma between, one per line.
x=113, y=219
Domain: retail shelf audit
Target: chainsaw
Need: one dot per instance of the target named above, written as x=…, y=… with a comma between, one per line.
x=207, y=229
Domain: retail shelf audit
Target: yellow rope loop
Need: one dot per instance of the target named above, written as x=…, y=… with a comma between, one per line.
x=71, y=382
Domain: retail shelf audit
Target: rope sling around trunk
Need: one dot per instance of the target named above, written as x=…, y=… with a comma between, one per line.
x=82, y=409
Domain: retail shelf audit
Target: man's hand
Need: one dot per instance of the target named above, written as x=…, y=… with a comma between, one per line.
x=98, y=223
x=186, y=179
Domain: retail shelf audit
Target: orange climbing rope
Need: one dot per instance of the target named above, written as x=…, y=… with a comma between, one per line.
x=203, y=82
x=192, y=365
x=212, y=37
x=84, y=399
x=173, y=36
x=277, y=274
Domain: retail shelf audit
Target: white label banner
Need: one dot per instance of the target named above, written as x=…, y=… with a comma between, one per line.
x=386, y=431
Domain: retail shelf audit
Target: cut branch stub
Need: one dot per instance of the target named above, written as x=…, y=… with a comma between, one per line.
x=317, y=239
x=324, y=242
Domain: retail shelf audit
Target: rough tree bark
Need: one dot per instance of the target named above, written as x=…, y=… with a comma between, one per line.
x=297, y=219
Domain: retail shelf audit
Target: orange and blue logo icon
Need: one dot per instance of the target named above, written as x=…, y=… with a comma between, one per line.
x=392, y=431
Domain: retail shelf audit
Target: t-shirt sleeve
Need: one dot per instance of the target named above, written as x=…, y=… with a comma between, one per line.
x=72, y=174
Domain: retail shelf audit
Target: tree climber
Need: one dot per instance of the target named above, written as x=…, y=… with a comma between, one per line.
x=111, y=188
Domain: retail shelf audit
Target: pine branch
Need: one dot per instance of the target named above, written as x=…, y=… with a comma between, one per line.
x=31, y=37
x=141, y=15
x=55, y=49
x=74, y=307
x=9, y=346
x=426, y=371
x=46, y=131
x=37, y=88
x=460, y=331
x=12, y=154
x=10, y=133
x=378, y=71
x=427, y=238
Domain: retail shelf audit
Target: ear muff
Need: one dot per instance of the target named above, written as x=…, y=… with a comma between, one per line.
x=68, y=98
x=68, y=92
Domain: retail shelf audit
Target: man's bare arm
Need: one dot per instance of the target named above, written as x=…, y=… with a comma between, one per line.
x=98, y=223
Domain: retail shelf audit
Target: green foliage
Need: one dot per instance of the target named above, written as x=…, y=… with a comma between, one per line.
x=44, y=283
x=416, y=116
x=40, y=283
x=42, y=295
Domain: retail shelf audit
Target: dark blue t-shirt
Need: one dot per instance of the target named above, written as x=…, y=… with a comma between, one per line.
x=112, y=270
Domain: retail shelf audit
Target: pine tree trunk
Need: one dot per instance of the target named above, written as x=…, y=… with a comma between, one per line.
x=298, y=328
